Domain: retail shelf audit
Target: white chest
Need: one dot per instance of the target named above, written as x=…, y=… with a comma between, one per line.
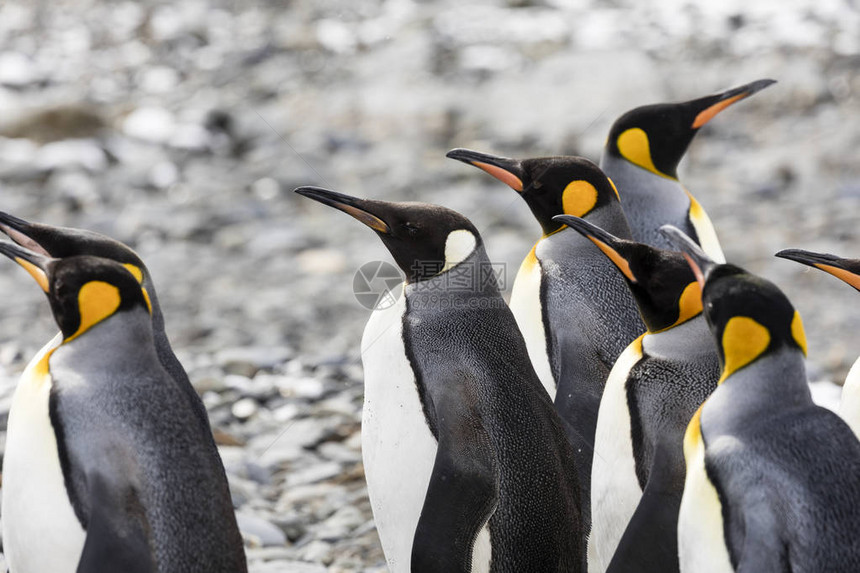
x=849, y=405
x=397, y=447
x=701, y=540
x=615, y=490
x=41, y=533
x=526, y=308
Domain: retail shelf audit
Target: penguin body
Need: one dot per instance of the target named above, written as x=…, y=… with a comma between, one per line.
x=847, y=270
x=771, y=478
x=654, y=389
x=641, y=156
x=97, y=405
x=483, y=479
x=569, y=301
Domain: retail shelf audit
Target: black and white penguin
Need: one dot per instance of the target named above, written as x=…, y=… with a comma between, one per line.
x=642, y=154
x=106, y=467
x=468, y=467
x=651, y=394
x=573, y=307
x=849, y=271
x=773, y=481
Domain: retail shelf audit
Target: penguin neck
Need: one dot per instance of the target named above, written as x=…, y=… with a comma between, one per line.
x=768, y=386
x=162, y=344
x=113, y=340
x=473, y=276
x=684, y=342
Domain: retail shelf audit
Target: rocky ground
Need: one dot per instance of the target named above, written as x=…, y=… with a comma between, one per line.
x=181, y=129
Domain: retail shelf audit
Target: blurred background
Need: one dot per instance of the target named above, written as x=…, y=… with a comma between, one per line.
x=181, y=128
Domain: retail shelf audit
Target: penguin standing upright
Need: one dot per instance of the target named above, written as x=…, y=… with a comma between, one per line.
x=772, y=479
x=654, y=389
x=105, y=467
x=468, y=467
x=642, y=154
x=573, y=308
x=61, y=242
x=849, y=271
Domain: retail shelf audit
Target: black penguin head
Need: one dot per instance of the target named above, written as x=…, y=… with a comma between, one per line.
x=846, y=269
x=655, y=137
x=424, y=239
x=748, y=315
x=62, y=242
x=664, y=286
x=82, y=290
x=550, y=185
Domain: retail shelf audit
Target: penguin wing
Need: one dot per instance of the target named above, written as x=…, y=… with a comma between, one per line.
x=116, y=530
x=650, y=541
x=464, y=486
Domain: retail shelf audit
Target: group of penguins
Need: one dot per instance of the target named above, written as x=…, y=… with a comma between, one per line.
x=639, y=406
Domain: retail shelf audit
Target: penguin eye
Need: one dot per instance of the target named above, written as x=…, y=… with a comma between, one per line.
x=536, y=184
x=411, y=228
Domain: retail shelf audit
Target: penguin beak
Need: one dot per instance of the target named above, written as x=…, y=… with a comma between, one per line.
x=357, y=208
x=508, y=171
x=18, y=230
x=710, y=106
x=609, y=244
x=701, y=263
x=34, y=263
x=847, y=270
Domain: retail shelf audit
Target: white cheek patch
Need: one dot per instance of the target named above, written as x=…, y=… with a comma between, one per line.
x=458, y=246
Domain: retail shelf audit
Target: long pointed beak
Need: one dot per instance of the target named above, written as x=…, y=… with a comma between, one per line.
x=353, y=206
x=847, y=270
x=18, y=230
x=698, y=260
x=508, y=171
x=609, y=244
x=34, y=263
x=712, y=105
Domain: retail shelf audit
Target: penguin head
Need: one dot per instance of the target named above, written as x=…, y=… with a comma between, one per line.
x=846, y=269
x=551, y=186
x=62, y=242
x=665, y=288
x=82, y=290
x=655, y=137
x=425, y=240
x=750, y=317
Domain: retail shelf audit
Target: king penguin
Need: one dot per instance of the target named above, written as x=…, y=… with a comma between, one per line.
x=61, y=242
x=772, y=479
x=105, y=468
x=652, y=392
x=573, y=307
x=849, y=271
x=468, y=467
x=642, y=154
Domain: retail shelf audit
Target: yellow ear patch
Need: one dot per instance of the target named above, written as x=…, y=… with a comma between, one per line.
x=578, y=198
x=35, y=272
x=135, y=271
x=744, y=340
x=634, y=147
x=97, y=300
x=797, y=332
x=690, y=303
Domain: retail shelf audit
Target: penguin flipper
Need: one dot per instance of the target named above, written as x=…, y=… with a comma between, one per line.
x=650, y=541
x=116, y=531
x=463, y=489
